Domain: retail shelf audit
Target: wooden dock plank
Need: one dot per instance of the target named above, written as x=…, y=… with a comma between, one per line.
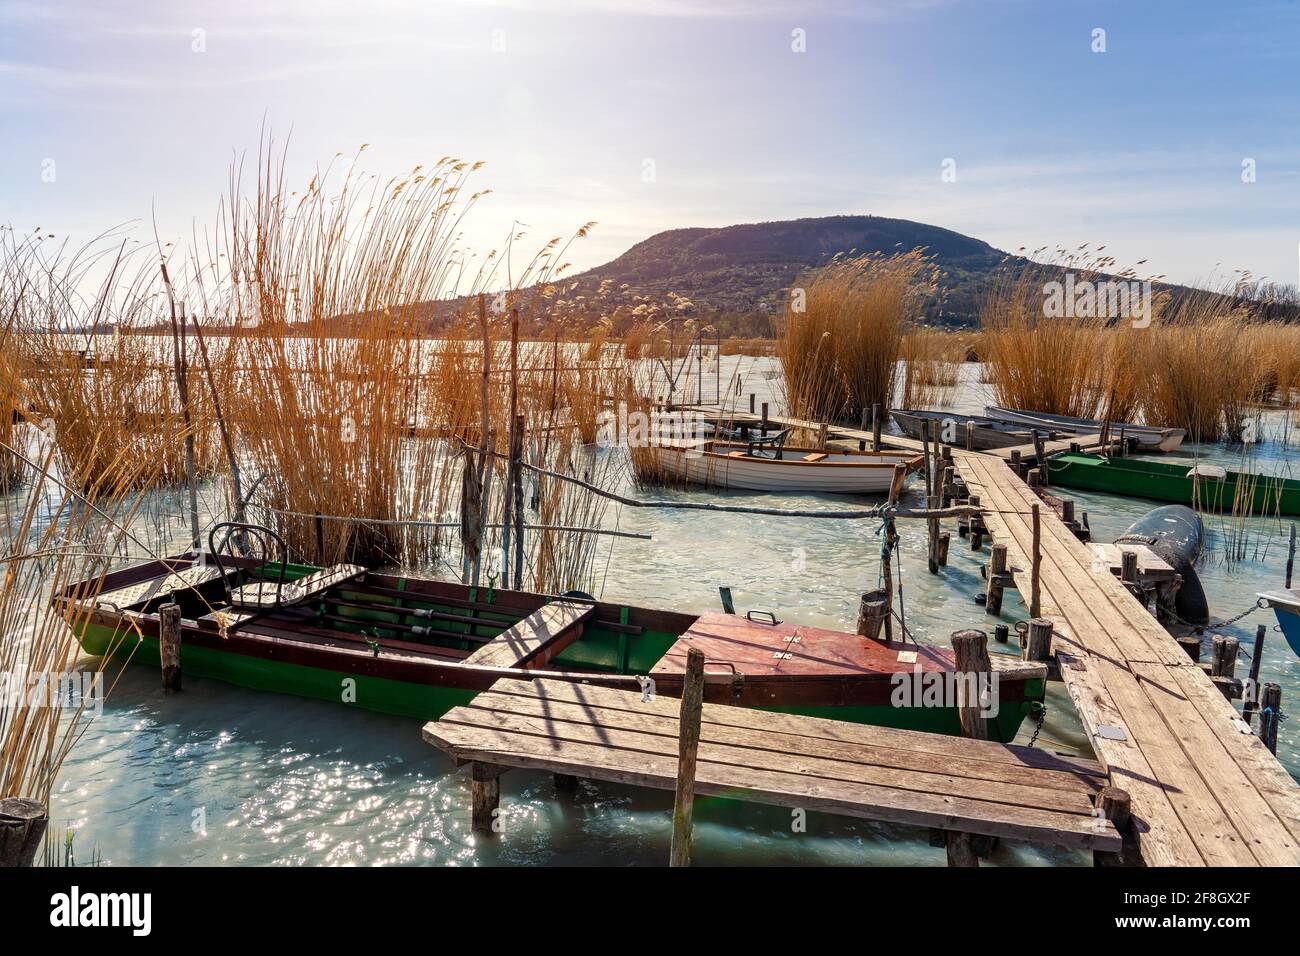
x=1198, y=786
x=601, y=745
x=796, y=725
x=904, y=760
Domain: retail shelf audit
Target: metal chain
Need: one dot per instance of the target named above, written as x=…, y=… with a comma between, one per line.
x=1216, y=625
x=1042, y=718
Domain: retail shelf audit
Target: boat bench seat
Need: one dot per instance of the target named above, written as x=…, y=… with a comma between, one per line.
x=815, y=456
x=316, y=583
x=537, y=638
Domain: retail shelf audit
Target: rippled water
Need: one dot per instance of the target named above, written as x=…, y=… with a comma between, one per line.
x=223, y=775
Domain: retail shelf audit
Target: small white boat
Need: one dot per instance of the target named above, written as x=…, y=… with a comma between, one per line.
x=1148, y=437
x=722, y=464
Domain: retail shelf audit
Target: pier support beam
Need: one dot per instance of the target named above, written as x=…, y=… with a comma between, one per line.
x=169, y=646
x=1270, y=713
x=997, y=580
x=485, y=796
x=1113, y=804
x=688, y=735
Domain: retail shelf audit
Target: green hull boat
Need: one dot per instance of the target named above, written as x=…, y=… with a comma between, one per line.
x=415, y=647
x=1203, y=487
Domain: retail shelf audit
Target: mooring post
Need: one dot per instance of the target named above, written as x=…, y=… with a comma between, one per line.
x=169, y=646
x=932, y=525
x=945, y=539
x=1290, y=558
x=974, y=670
x=1223, y=663
x=1270, y=714
x=1038, y=640
x=872, y=609
x=1036, y=562
x=764, y=423
x=886, y=552
x=1001, y=633
x=728, y=606
x=1115, y=805
x=1128, y=567
x=22, y=827
x=997, y=578
x=875, y=426
x=752, y=398
x=485, y=795
x=1251, y=706
x=976, y=526
x=688, y=748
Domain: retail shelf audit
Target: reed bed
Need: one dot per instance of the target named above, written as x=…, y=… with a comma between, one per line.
x=839, y=343
x=931, y=364
x=1036, y=362
x=52, y=537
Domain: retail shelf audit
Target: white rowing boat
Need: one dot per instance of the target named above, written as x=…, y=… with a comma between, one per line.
x=722, y=464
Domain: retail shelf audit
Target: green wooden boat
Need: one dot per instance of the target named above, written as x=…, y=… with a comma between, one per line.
x=405, y=645
x=1203, y=487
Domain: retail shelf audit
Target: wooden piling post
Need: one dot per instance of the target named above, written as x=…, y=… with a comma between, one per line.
x=932, y=534
x=976, y=526
x=22, y=827
x=687, y=750
x=1223, y=655
x=1038, y=640
x=875, y=426
x=1115, y=805
x=1036, y=562
x=752, y=398
x=945, y=540
x=764, y=423
x=1128, y=567
x=872, y=610
x=169, y=646
x=1001, y=633
x=1251, y=706
x=1270, y=712
x=974, y=668
x=1290, y=558
x=728, y=606
x=485, y=795
x=886, y=559
x=997, y=578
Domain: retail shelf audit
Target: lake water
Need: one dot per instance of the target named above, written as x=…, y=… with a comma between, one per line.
x=221, y=775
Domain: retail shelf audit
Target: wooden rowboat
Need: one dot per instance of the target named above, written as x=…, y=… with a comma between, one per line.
x=723, y=464
x=1286, y=606
x=416, y=647
x=965, y=431
x=1203, y=487
x=1148, y=437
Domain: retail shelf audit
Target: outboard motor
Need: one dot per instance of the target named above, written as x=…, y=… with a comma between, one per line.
x=1175, y=533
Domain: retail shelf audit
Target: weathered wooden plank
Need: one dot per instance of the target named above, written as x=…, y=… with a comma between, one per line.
x=796, y=725
x=551, y=732
x=777, y=788
x=537, y=638
x=1070, y=776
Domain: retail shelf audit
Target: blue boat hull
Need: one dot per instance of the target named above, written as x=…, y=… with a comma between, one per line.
x=1289, y=621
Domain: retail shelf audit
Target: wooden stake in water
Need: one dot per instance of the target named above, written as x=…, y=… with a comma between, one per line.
x=688, y=736
x=1251, y=706
x=1035, y=609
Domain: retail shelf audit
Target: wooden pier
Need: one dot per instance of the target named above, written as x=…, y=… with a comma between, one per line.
x=1204, y=789
x=948, y=784
x=1194, y=786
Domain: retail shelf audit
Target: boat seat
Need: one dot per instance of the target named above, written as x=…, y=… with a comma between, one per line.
x=815, y=456
x=537, y=638
x=318, y=582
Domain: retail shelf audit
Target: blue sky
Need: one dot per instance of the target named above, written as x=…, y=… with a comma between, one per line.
x=1139, y=148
